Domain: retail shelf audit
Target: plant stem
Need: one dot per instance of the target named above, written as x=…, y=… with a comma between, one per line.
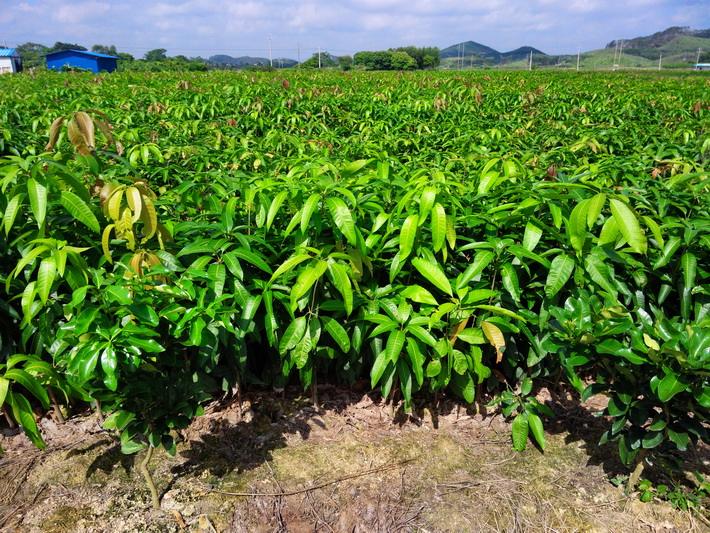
x=149, y=479
x=10, y=421
x=55, y=406
x=314, y=385
x=636, y=474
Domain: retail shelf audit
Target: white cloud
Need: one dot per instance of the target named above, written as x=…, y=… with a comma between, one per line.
x=205, y=27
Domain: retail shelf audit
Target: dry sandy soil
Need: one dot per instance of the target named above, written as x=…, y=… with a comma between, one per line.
x=355, y=465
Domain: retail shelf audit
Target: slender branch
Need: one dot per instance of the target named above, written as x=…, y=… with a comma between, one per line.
x=155, y=499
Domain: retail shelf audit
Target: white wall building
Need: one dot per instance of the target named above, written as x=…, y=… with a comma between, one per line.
x=10, y=61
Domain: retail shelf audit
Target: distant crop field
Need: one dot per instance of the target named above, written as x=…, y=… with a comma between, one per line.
x=172, y=237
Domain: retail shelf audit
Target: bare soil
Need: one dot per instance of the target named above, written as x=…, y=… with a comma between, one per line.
x=354, y=464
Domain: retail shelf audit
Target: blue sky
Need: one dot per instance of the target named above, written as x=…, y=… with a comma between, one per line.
x=208, y=27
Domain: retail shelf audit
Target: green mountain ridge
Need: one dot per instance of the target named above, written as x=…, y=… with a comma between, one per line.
x=675, y=46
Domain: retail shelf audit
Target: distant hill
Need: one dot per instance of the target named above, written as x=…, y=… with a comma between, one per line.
x=479, y=54
x=677, y=45
x=248, y=61
x=522, y=53
x=471, y=48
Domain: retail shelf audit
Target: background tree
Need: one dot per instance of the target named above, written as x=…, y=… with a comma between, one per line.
x=59, y=46
x=381, y=60
x=426, y=57
x=345, y=62
x=157, y=54
x=103, y=49
x=402, y=61
x=32, y=54
x=327, y=60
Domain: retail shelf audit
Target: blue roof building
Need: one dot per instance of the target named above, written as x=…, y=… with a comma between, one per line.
x=9, y=61
x=81, y=59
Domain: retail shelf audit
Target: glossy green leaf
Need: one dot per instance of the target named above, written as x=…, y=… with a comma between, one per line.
x=629, y=226
x=80, y=210
x=433, y=273
x=560, y=271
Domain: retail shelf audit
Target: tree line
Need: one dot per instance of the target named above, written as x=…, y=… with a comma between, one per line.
x=33, y=54
x=402, y=58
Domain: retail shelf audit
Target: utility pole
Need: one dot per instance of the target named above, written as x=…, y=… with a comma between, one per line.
x=298, y=45
x=319, y=57
x=621, y=51
x=697, y=59
x=271, y=59
x=530, y=64
x=660, y=59
x=578, y=50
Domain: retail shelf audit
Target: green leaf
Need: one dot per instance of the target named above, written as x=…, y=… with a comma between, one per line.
x=109, y=363
x=38, y=200
x=600, y=273
x=531, y=236
x=419, y=294
x=146, y=345
x=480, y=261
x=395, y=343
x=520, y=432
x=341, y=281
x=45, y=278
x=293, y=334
x=609, y=233
x=118, y=294
x=80, y=210
x=306, y=278
x=560, y=271
x=337, y=333
x=30, y=383
x=343, y=218
x=464, y=386
x=577, y=225
x=276, y=204
x=629, y=226
x=416, y=360
x=669, y=250
x=253, y=258
x=378, y=368
x=11, y=211
x=23, y=414
x=86, y=362
x=4, y=388
x=118, y=420
x=426, y=201
x=614, y=347
x=232, y=263
x=655, y=230
x=669, y=386
x=510, y=281
x=407, y=235
x=680, y=439
x=433, y=273
x=537, y=430
x=596, y=204
x=308, y=209
x=438, y=227
x=289, y=265
x=217, y=272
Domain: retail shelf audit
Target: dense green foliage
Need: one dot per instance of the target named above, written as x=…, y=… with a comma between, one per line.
x=482, y=235
x=405, y=58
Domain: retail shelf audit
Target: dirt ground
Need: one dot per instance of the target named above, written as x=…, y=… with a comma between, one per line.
x=353, y=465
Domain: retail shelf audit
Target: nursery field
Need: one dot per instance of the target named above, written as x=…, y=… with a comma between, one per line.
x=529, y=248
